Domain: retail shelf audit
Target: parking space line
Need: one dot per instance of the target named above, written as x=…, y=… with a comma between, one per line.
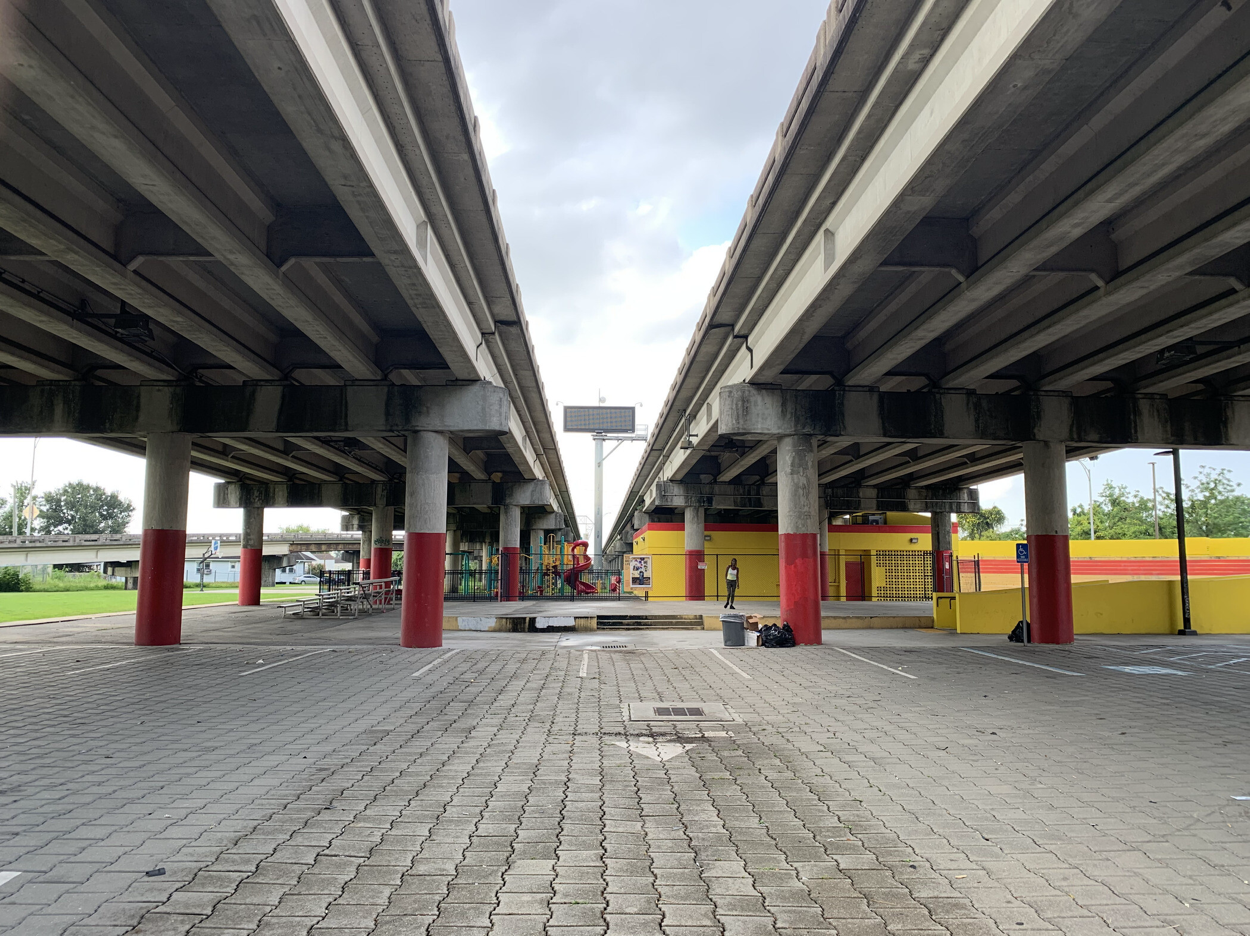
x=736, y=669
x=581, y=673
x=1228, y=663
x=6, y=876
x=5, y=656
x=873, y=662
x=103, y=666
x=1053, y=669
x=283, y=662
x=445, y=657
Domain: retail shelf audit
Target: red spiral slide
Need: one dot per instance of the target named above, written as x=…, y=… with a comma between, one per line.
x=581, y=563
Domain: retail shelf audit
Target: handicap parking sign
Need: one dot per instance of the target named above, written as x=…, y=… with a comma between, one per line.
x=1022, y=553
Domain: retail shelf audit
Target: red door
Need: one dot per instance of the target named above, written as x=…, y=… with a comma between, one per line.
x=854, y=580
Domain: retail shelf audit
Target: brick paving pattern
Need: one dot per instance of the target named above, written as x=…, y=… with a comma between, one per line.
x=501, y=789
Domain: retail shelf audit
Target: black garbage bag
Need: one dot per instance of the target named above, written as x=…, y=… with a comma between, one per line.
x=773, y=636
x=1017, y=632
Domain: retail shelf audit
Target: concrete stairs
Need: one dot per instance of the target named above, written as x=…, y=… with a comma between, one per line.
x=650, y=622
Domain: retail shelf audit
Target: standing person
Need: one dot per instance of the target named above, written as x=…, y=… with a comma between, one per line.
x=731, y=583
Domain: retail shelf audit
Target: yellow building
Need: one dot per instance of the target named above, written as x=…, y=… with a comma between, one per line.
x=871, y=556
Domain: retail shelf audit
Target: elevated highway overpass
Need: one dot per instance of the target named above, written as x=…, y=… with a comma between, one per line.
x=989, y=236
x=259, y=240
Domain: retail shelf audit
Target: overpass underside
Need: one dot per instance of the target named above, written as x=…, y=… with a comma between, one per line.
x=989, y=237
x=259, y=240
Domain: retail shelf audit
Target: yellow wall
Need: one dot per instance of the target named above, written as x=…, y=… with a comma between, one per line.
x=1195, y=547
x=1217, y=606
x=755, y=548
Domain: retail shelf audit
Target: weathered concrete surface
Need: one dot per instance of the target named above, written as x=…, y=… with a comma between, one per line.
x=966, y=418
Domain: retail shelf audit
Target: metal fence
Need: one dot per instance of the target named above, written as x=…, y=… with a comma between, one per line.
x=854, y=575
x=484, y=585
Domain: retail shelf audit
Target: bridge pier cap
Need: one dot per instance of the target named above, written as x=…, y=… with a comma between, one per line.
x=162, y=550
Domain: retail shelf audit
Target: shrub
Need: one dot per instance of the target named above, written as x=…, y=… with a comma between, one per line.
x=12, y=580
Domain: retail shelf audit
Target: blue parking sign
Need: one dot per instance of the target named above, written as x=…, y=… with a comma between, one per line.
x=1022, y=553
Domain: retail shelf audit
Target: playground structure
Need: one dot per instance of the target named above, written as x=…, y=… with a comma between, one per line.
x=581, y=564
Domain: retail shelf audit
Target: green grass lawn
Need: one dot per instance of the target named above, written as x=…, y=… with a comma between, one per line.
x=28, y=606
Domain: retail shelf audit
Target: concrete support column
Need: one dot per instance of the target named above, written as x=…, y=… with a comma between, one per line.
x=163, y=548
x=509, y=553
x=1046, y=520
x=250, y=552
x=822, y=540
x=695, y=584
x=383, y=527
x=943, y=557
x=366, y=546
x=425, y=540
x=798, y=541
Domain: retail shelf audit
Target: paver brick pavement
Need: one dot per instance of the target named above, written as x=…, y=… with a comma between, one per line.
x=503, y=792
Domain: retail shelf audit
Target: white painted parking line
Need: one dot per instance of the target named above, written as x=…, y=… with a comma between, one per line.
x=444, y=658
x=139, y=659
x=24, y=653
x=873, y=662
x=716, y=653
x=1053, y=669
x=6, y=876
x=1229, y=662
x=104, y=666
x=284, y=662
x=581, y=673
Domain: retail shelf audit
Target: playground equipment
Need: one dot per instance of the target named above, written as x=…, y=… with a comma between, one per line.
x=581, y=563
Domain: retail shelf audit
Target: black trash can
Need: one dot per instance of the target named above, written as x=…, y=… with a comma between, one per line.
x=733, y=629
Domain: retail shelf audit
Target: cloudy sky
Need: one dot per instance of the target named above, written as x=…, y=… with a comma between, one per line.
x=624, y=139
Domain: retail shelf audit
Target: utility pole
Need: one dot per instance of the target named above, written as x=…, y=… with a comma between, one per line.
x=1154, y=492
x=1186, y=618
x=1089, y=477
x=604, y=423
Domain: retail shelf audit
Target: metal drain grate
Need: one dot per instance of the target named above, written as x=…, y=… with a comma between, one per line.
x=611, y=647
x=678, y=711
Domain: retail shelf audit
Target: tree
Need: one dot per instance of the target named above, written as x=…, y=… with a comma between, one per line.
x=21, y=493
x=985, y=526
x=1118, y=514
x=1213, y=507
x=79, y=507
x=302, y=528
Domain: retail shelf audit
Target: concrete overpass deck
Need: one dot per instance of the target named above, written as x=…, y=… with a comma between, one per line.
x=984, y=228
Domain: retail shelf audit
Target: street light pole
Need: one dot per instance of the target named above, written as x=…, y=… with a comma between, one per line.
x=1187, y=621
x=1089, y=477
x=1154, y=492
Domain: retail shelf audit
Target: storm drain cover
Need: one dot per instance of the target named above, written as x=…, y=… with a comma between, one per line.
x=678, y=711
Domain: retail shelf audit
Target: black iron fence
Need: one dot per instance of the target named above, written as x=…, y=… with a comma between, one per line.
x=485, y=585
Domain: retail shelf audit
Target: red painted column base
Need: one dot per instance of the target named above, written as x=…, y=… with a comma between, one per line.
x=249, y=575
x=158, y=616
x=380, y=562
x=696, y=578
x=364, y=566
x=1050, y=590
x=799, y=560
x=421, y=615
x=824, y=577
x=510, y=573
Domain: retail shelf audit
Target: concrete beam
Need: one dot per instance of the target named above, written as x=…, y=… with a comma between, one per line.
x=350, y=462
x=969, y=418
x=205, y=196
x=490, y=494
x=349, y=496
x=920, y=464
x=36, y=364
x=545, y=521
x=912, y=499
x=252, y=410
x=764, y=497
x=866, y=460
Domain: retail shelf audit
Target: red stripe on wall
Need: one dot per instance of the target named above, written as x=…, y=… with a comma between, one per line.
x=1160, y=567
